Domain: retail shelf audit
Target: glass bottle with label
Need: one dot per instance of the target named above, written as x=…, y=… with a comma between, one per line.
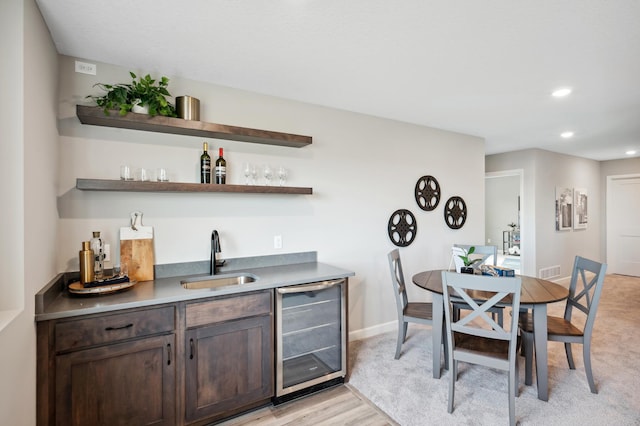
x=205, y=164
x=97, y=245
x=221, y=168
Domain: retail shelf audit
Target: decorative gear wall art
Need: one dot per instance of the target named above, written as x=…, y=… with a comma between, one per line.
x=427, y=193
x=455, y=212
x=402, y=228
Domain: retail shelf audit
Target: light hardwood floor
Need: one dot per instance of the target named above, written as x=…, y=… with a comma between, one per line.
x=340, y=405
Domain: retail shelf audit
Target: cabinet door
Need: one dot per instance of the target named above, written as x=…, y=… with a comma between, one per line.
x=129, y=383
x=228, y=366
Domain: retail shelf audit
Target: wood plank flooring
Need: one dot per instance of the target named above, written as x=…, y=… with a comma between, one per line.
x=341, y=405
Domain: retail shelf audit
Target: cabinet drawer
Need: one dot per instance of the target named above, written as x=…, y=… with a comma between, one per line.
x=111, y=328
x=230, y=308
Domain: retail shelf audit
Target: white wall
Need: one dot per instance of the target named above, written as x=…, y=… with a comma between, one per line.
x=28, y=195
x=11, y=160
x=543, y=171
x=361, y=169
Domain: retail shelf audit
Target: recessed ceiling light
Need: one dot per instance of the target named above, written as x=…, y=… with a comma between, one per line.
x=630, y=152
x=566, y=135
x=561, y=93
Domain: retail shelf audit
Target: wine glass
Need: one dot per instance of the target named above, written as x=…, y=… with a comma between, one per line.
x=268, y=174
x=254, y=174
x=247, y=172
x=282, y=175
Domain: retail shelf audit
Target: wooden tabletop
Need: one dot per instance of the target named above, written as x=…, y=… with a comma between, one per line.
x=533, y=290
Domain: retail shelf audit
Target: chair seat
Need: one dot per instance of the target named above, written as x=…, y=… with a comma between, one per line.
x=555, y=326
x=481, y=345
x=419, y=310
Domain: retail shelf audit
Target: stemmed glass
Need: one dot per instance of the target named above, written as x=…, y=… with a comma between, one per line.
x=268, y=174
x=282, y=175
x=254, y=174
x=247, y=172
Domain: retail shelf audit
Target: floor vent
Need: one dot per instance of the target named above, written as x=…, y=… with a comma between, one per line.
x=550, y=272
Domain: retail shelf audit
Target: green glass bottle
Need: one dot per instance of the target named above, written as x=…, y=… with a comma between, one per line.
x=205, y=164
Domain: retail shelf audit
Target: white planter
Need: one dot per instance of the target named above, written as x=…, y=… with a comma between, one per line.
x=140, y=109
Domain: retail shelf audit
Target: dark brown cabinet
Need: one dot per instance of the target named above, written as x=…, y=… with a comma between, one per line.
x=182, y=363
x=129, y=383
x=111, y=369
x=228, y=355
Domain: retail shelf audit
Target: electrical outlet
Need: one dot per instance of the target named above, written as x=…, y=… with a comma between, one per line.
x=86, y=68
x=488, y=240
x=107, y=252
x=277, y=241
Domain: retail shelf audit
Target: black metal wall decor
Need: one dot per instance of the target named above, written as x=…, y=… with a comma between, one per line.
x=402, y=228
x=455, y=212
x=427, y=193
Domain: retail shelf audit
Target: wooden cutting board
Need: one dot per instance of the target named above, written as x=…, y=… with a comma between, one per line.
x=136, y=249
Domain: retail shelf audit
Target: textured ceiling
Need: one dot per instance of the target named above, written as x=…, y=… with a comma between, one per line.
x=485, y=68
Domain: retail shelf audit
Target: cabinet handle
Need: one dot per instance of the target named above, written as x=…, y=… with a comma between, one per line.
x=191, y=347
x=308, y=287
x=119, y=328
x=168, y=353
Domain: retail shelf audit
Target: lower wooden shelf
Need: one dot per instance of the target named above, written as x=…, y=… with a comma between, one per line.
x=152, y=186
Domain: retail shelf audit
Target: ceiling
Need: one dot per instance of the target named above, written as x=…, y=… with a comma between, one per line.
x=484, y=68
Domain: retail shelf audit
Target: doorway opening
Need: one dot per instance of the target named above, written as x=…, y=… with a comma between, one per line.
x=504, y=217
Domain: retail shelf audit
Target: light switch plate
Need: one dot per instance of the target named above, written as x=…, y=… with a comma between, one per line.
x=86, y=68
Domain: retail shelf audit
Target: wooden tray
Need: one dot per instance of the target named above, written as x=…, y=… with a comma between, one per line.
x=77, y=288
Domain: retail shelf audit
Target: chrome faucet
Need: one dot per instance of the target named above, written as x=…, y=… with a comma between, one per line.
x=215, y=248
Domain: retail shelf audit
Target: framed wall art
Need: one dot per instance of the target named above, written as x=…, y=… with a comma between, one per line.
x=580, y=217
x=564, y=208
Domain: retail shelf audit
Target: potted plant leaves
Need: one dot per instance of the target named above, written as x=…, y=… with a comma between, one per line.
x=468, y=262
x=143, y=92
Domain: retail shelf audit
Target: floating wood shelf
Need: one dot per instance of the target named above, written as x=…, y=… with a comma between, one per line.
x=151, y=186
x=178, y=126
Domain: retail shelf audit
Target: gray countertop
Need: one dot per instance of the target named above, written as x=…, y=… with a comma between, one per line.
x=54, y=301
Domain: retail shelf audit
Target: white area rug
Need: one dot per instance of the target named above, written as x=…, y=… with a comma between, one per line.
x=406, y=390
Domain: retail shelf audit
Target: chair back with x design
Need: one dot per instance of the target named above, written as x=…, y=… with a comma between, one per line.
x=585, y=291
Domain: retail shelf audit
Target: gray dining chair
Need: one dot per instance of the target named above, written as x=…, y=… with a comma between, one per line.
x=416, y=312
x=477, y=338
x=485, y=254
x=584, y=298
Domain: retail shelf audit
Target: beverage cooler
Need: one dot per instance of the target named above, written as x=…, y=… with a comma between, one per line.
x=311, y=337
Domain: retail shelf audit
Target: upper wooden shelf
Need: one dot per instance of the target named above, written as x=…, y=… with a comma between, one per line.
x=151, y=186
x=96, y=116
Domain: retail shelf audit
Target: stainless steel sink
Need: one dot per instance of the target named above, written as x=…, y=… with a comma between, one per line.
x=215, y=281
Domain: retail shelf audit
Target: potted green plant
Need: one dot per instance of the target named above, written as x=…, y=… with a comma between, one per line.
x=468, y=262
x=143, y=92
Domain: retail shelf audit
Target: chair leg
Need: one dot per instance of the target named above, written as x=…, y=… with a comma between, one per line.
x=517, y=373
x=527, y=341
x=500, y=317
x=512, y=400
x=567, y=349
x=402, y=331
x=452, y=383
x=586, y=349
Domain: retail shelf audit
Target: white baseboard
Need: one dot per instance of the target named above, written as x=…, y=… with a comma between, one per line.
x=364, y=333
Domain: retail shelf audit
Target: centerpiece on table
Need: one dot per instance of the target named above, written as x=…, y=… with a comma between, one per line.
x=468, y=262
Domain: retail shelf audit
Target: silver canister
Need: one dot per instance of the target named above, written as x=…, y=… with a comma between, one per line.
x=188, y=107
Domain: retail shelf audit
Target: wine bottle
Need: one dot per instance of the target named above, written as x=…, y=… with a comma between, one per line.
x=205, y=164
x=221, y=168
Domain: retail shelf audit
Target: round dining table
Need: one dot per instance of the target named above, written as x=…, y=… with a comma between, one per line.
x=535, y=294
